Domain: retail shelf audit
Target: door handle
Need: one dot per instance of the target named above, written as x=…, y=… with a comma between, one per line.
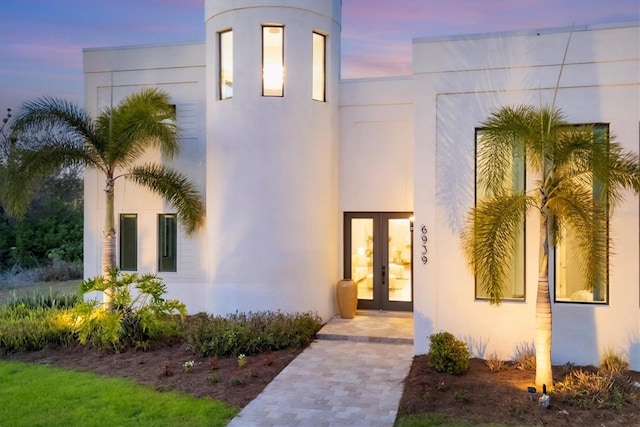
x=384, y=273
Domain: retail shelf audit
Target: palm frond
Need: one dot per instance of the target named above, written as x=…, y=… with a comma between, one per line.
x=490, y=239
x=579, y=215
x=176, y=189
x=143, y=120
x=502, y=138
x=27, y=167
x=55, y=115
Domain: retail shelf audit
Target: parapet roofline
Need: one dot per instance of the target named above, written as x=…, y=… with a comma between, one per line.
x=530, y=32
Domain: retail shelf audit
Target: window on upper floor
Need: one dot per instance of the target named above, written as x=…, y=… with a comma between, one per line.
x=319, y=67
x=272, y=60
x=128, y=242
x=570, y=285
x=225, y=44
x=167, y=242
x=514, y=285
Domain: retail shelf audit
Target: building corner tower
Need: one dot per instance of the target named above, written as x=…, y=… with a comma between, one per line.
x=272, y=143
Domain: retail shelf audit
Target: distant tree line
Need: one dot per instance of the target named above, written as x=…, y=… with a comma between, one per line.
x=51, y=231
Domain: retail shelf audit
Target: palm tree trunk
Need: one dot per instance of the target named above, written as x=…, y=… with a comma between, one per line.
x=109, y=244
x=543, y=311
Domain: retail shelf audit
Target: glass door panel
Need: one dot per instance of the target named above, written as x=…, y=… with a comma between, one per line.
x=399, y=259
x=362, y=256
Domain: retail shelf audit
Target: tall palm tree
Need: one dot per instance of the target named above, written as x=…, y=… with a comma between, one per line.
x=112, y=143
x=581, y=175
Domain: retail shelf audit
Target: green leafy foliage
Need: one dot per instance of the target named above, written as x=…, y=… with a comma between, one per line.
x=447, y=354
x=139, y=312
x=602, y=389
x=30, y=329
x=51, y=231
x=251, y=333
x=52, y=299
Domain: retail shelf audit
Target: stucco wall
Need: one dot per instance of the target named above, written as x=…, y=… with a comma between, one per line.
x=458, y=82
x=272, y=164
x=111, y=74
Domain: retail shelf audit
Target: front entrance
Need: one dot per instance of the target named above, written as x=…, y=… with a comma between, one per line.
x=377, y=248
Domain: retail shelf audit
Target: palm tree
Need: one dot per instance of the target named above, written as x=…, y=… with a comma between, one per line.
x=581, y=175
x=112, y=143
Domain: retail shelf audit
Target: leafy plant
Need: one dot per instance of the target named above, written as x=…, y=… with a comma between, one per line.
x=525, y=357
x=188, y=366
x=242, y=361
x=139, y=312
x=448, y=354
x=52, y=299
x=30, y=329
x=613, y=362
x=461, y=396
x=494, y=362
x=602, y=389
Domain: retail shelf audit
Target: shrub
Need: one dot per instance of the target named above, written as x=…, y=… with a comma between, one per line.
x=447, y=354
x=250, y=334
x=525, y=357
x=602, y=389
x=494, y=362
x=139, y=312
x=31, y=329
x=613, y=362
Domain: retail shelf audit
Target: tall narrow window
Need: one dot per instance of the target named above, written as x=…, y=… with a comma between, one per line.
x=272, y=61
x=569, y=282
x=319, y=67
x=128, y=242
x=514, y=285
x=167, y=242
x=226, y=64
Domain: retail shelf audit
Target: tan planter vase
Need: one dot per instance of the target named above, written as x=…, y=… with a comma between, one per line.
x=347, y=292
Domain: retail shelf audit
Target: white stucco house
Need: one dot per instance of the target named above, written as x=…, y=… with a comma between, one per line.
x=309, y=178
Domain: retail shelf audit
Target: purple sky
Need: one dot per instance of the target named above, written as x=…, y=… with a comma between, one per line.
x=41, y=41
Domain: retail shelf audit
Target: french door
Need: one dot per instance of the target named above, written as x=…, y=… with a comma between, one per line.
x=377, y=248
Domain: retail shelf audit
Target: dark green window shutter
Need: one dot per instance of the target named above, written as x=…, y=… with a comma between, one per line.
x=128, y=242
x=167, y=242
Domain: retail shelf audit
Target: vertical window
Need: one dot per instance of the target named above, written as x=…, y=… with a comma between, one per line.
x=570, y=284
x=319, y=67
x=167, y=242
x=514, y=285
x=225, y=40
x=128, y=242
x=272, y=61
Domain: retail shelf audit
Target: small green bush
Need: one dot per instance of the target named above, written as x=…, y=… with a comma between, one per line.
x=250, y=334
x=448, y=354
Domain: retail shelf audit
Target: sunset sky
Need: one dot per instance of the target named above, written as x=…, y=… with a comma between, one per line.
x=41, y=41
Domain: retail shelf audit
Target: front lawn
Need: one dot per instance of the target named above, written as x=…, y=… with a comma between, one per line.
x=34, y=395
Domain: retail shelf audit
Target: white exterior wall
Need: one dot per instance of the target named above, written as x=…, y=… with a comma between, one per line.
x=376, y=145
x=458, y=82
x=111, y=74
x=272, y=164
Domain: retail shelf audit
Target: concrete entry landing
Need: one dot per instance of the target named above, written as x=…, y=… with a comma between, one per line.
x=371, y=326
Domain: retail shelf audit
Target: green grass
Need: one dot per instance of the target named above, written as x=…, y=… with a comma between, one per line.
x=34, y=395
x=434, y=419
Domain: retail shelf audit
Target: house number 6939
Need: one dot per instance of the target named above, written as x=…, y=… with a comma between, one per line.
x=423, y=238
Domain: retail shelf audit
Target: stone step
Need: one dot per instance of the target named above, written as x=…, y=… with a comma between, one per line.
x=370, y=326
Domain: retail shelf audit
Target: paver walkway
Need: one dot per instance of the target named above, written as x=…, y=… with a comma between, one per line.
x=339, y=381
